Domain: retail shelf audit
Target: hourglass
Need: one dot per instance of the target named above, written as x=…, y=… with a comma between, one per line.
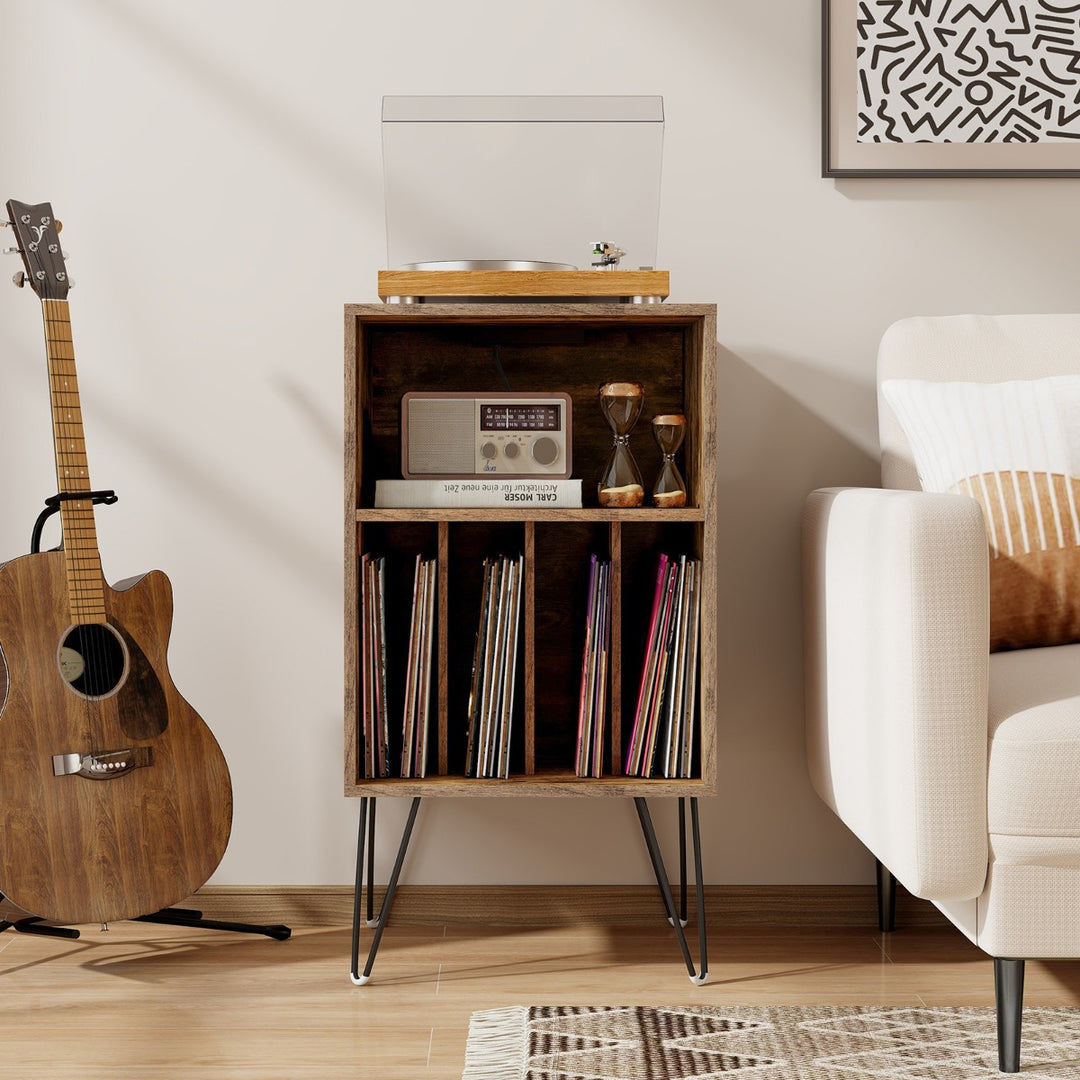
x=620, y=482
x=669, y=431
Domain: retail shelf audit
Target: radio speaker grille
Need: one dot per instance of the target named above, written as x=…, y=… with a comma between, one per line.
x=441, y=438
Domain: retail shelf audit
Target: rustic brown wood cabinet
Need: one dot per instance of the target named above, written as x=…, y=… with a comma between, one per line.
x=541, y=348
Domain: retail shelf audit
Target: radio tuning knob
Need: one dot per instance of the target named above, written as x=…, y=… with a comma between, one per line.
x=511, y=449
x=545, y=451
x=488, y=450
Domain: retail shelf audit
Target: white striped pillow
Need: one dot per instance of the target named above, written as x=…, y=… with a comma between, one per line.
x=1015, y=448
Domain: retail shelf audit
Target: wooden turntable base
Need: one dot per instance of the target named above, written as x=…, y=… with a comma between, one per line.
x=407, y=286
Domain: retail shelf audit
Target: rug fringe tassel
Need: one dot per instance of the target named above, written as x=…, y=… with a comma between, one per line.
x=496, y=1048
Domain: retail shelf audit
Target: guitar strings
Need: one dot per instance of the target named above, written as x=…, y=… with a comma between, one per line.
x=81, y=582
x=74, y=523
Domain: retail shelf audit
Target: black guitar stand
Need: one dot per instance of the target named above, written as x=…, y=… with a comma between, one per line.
x=171, y=916
x=32, y=924
x=52, y=506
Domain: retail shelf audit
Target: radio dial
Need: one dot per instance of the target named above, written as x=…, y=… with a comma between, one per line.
x=545, y=450
x=453, y=434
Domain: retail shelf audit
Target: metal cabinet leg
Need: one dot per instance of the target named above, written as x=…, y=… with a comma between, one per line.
x=665, y=888
x=699, y=885
x=391, y=888
x=682, y=861
x=371, y=920
x=358, y=887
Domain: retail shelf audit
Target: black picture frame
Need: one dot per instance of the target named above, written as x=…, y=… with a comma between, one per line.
x=842, y=155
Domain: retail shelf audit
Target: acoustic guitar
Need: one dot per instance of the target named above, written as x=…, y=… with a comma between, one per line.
x=115, y=799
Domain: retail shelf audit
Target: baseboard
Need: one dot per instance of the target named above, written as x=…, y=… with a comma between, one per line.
x=523, y=905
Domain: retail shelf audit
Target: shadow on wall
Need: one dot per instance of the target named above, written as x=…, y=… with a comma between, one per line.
x=773, y=451
x=221, y=497
x=257, y=107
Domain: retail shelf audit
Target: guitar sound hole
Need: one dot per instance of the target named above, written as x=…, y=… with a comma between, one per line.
x=92, y=659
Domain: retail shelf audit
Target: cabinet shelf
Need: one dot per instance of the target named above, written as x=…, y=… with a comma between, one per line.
x=500, y=513
x=547, y=784
x=540, y=349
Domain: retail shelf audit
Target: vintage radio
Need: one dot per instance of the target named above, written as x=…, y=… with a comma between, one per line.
x=456, y=436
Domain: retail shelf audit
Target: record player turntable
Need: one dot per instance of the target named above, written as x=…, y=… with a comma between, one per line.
x=468, y=178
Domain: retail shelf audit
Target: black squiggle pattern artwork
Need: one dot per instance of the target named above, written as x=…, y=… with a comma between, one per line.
x=979, y=71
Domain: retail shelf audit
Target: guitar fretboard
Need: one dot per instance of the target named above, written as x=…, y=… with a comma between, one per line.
x=85, y=583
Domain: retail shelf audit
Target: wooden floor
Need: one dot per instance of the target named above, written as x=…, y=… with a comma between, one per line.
x=143, y=1002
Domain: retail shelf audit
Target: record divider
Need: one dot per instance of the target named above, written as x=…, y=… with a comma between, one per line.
x=530, y=648
x=615, y=674
x=442, y=597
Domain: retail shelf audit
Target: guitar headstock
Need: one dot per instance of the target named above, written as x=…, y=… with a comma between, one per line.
x=37, y=232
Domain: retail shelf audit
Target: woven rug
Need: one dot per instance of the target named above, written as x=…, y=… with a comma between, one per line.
x=783, y=1042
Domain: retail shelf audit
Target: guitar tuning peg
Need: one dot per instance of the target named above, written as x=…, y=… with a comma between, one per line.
x=19, y=278
x=11, y=251
x=59, y=225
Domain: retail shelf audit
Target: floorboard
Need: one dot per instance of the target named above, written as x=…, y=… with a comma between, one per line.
x=144, y=1002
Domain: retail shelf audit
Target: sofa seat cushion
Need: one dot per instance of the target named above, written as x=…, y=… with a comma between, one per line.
x=1033, y=779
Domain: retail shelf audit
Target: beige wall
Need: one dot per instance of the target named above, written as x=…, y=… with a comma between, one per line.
x=218, y=164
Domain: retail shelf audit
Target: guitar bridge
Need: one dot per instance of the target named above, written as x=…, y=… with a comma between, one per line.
x=103, y=766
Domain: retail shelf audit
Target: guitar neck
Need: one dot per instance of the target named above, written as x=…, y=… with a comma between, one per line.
x=85, y=583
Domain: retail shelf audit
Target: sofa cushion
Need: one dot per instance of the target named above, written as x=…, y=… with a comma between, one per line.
x=1033, y=779
x=1014, y=447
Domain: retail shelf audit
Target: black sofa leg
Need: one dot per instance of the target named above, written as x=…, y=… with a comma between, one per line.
x=886, y=899
x=1009, y=995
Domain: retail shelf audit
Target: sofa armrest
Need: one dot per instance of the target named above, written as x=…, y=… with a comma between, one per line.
x=896, y=623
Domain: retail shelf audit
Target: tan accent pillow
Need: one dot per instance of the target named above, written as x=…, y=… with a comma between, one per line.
x=1014, y=447
x=1034, y=556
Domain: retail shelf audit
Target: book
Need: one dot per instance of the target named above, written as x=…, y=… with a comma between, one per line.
x=478, y=492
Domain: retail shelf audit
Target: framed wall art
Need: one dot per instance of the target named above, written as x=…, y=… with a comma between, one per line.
x=950, y=88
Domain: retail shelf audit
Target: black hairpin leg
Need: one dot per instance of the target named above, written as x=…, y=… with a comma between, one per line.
x=371, y=920
x=357, y=977
x=699, y=887
x=682, y=861
x=665, y=888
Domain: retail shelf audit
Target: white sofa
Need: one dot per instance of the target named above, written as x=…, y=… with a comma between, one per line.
x=958, y=768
